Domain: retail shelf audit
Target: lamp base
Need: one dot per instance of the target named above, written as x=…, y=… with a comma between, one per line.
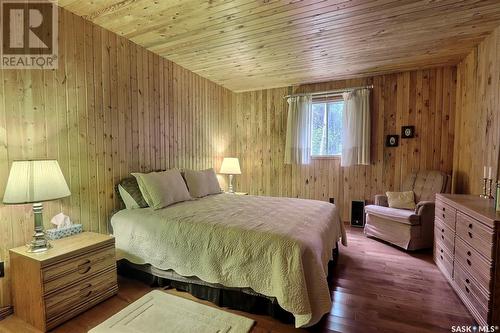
x=230, y=188
x=39, y=242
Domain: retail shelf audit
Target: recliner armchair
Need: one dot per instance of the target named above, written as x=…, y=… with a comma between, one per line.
x=409, y=229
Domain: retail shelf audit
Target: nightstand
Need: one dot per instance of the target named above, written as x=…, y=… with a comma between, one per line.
x=51, y=287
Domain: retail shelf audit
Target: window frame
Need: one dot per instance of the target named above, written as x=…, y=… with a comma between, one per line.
x=326, y=99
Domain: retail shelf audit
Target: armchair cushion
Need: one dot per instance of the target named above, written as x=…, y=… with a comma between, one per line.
x=394, y=214
x=402, y=200
x=428, y=183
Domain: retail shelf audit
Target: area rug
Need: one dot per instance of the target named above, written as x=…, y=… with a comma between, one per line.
x=158, y=312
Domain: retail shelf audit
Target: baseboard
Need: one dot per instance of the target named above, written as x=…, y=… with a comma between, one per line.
x=5, y=311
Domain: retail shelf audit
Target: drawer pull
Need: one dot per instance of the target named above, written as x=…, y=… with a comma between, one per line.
x=442, y=230
x=83, y=270
x=467, y=281
x=84, y=267
x=470, y=225
x=443, y=216
x=441, y=257
x=441, y=250
x=87, y=286
x=444, y=209
x=442, y=237
x=87, y=294
x=468, y=253
x=469, y=263
x=470, y=234
x=467, y=289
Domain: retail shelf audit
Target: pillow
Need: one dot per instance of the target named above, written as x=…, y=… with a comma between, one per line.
x=403, y=200
x=162, y=189
x=202, y=183
x=131, y=194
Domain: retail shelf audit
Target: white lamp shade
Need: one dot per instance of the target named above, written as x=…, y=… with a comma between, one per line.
x=35, y=181
x=230, y=166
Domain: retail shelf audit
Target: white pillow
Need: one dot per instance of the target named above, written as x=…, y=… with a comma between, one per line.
x=162, y=189
x=202, y=183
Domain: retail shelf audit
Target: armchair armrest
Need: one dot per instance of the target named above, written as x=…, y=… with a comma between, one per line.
x=381, y=200
x=425, y=208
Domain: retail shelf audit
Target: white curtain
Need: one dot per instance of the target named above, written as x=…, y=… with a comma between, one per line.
x=356, y=128
x=298, y=130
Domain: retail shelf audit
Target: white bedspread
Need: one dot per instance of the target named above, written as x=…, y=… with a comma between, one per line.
x=278, y=247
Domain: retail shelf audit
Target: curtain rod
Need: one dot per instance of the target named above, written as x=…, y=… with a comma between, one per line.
x=328, y=92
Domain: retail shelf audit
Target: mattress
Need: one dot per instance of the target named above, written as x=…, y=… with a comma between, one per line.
x=278, y=247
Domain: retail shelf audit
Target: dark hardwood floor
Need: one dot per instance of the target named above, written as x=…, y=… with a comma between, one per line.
x=376, y=288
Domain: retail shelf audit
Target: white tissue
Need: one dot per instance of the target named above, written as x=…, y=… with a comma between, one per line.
x=61, y=221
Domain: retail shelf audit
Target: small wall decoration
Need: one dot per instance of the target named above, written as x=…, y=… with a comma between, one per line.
x=392, y=140
x=407, y=132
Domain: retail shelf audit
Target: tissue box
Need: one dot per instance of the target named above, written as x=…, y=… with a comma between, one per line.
x=63, y=232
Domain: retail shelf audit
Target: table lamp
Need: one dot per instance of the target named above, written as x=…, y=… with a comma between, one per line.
x=34, y=182
x=230, y=166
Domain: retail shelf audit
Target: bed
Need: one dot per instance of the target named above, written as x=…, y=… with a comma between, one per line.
x=277, y=247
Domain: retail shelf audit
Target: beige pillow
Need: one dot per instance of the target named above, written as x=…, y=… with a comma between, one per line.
x=202, y=183
x=162, y=189
x=403, y=200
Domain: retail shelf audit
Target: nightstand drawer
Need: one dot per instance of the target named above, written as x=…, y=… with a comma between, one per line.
x=70, y=271
x=76, y=294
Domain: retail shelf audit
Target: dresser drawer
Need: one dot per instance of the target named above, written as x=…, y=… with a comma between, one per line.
x=444, y=235
x=475, y=234
x=473, y=263
x=65, y=273
x=69, y=298
x=471, y=290
x=446, y=213
x=443, y=259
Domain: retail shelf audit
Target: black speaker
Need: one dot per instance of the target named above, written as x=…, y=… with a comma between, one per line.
x=357, y=213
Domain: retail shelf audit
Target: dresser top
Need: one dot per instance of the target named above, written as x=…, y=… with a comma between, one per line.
x=67, y=246
x=473, y=204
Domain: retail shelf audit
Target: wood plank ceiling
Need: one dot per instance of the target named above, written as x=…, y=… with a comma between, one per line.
x=248, y=45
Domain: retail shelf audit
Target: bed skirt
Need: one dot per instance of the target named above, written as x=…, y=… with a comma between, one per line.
x=242, y=299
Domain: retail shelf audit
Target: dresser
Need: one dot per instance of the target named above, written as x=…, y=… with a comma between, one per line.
x=467, y=251
x=75, y=274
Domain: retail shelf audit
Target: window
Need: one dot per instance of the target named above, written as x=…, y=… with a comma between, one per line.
x=326, y=129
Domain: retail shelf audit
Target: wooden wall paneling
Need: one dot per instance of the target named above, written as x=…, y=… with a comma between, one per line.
x=84, y=105
x=110, y=108
x=100, y=109
x=91, y=129
x=478, y=116
x=450, y=110
x=417, y=98
x=5, y=214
